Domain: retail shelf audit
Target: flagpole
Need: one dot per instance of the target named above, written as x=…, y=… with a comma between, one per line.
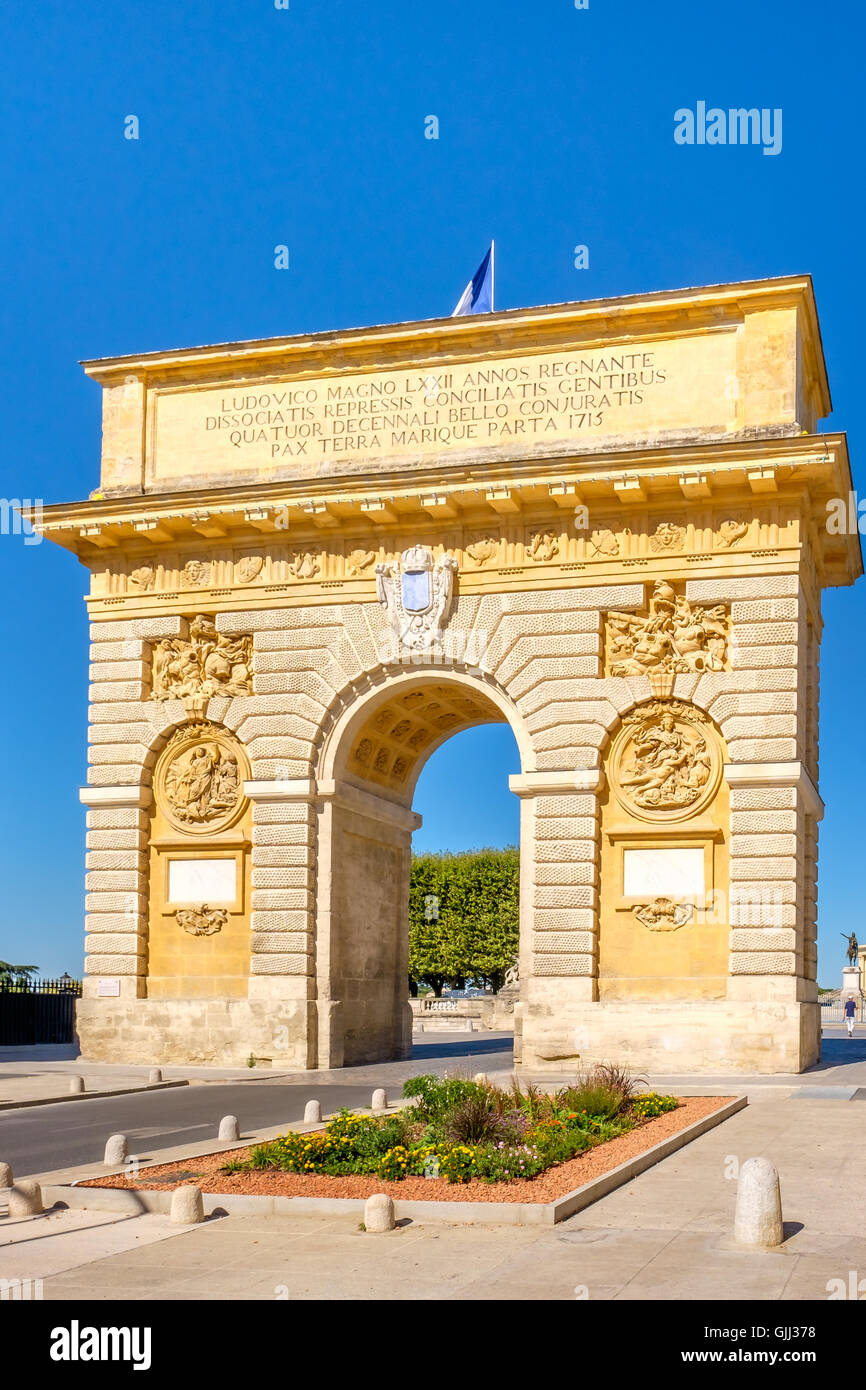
x=492, y=276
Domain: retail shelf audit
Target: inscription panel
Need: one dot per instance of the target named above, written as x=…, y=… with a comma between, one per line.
x=317, y=425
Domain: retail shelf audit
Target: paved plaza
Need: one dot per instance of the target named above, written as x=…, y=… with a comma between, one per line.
x=665, y=1235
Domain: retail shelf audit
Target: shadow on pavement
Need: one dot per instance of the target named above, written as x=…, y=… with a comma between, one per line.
x=470, y=1048
x=41, y=1052
x=838, y=1052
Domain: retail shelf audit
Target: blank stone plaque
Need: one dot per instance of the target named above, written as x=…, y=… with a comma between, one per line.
x=202, y=880
x=654, y=873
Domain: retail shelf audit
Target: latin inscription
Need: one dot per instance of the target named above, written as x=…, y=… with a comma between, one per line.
x=584, y=396
x=475, y=406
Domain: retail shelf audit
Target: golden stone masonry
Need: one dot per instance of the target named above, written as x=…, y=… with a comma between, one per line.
x=314, y=559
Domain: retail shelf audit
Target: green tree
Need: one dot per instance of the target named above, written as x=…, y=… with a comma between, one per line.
x=464, y=917
x=14, y=974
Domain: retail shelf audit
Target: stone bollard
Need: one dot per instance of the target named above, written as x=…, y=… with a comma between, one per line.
x=312, y=1113
x=25, y=1198
x=379, y=1213
x=229, y=1127
x=187, y=1207
x=380, y=1100
x=76, y=1085
x=758, y=1216
x=116, y=1150
x=6, y=1178
x=153, y=1076
x=480, y=1078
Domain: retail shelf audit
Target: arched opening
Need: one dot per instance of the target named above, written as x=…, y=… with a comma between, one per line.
x=371, y=764
x=463, y=915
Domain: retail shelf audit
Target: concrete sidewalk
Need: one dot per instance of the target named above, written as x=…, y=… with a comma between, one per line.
x=39, y=1073
x=664, y=1236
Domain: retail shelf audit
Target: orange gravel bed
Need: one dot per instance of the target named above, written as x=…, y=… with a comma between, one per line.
x=546, y=1187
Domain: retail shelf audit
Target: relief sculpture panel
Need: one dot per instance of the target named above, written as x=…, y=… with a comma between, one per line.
x=198, y=782
x=206, y=663
x=665, y=763
x=674, y=637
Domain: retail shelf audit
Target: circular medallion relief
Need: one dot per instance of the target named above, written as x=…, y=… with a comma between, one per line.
x=665, y=762
x=199, y=780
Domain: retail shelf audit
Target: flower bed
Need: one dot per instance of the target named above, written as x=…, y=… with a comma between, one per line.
x=459, y=1141
x=459, y=1129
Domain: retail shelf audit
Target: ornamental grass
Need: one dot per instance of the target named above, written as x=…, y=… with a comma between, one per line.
x=459, y=1129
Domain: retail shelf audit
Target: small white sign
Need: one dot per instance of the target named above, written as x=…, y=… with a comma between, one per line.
x=107, y=987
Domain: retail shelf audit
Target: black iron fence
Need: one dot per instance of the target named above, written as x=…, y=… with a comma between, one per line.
x=37, y=1011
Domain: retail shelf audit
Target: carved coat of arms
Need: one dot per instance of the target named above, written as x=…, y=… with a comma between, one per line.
x=202, y=921
x=663, y=914
x=416, y=594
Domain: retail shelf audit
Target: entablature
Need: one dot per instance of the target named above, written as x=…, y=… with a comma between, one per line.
x=712, y=492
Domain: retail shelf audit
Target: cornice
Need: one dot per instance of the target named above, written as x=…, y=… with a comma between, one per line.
x=760, y=465
x=325, y=512
x=585, y=320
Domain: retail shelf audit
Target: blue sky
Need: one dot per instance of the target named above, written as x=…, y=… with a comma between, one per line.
x=305, y=127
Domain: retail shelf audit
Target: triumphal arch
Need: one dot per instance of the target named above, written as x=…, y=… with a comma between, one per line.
x=313, y=559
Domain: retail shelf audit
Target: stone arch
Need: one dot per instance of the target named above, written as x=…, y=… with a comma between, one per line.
x=364, y=836
x=355, y=702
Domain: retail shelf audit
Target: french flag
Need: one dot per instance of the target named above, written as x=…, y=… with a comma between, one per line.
x=477, y=298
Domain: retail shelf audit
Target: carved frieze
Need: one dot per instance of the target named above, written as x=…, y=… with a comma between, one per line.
x=305, y=565
x=730, y=532
x=674, y=636
x=543, y=547
x=665, y=761
x=143, y=578
x=487, y=553
x=249, y=567
x=196, y=573
x=359, y=560
x=604, y=542
x=206, y=663
x=482, y=550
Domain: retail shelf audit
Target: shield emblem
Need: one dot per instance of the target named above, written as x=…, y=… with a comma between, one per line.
x=416, y=590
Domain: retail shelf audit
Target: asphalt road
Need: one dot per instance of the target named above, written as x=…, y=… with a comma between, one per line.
x=46, y=1137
